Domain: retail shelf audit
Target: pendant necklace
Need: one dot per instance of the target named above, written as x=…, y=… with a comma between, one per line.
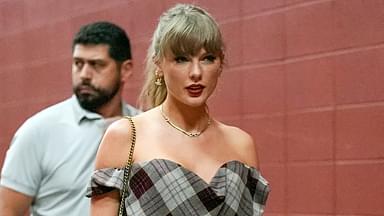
x=190, y=134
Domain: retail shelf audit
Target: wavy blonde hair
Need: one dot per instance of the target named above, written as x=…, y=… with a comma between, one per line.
x=182, y=30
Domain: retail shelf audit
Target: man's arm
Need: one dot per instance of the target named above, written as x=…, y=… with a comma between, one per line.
x=13, y=203
x=21, y=173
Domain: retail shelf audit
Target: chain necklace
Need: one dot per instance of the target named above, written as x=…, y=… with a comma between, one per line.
x=190, y=134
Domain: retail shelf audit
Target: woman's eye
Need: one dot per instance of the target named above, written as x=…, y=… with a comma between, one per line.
x=180, y=59
x=210, y=58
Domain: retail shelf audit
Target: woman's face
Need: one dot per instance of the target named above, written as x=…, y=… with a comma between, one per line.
x=190, y=79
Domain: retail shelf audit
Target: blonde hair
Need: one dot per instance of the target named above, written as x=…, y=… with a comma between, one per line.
x=182, y=30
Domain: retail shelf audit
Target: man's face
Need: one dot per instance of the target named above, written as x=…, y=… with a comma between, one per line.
x=96, y=77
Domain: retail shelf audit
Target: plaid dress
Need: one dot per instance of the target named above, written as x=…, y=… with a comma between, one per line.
x=162, y=187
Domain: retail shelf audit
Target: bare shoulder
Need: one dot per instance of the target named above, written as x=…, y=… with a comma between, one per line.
x=243, y=144
x=115, y=145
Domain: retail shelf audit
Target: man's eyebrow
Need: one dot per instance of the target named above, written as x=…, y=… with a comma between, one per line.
x=88, y=60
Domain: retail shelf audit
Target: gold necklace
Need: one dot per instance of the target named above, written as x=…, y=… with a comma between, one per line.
x=190, y=134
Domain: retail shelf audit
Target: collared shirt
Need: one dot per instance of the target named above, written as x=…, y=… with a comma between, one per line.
x=51, y=157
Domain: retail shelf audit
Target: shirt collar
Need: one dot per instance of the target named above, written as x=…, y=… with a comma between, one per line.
x=82, y=114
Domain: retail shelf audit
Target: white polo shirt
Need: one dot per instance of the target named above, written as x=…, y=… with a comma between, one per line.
x=51, y=158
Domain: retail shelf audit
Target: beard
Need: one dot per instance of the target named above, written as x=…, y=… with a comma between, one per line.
x=99, y=96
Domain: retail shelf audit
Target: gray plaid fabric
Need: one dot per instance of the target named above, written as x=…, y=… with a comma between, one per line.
x=162, y=187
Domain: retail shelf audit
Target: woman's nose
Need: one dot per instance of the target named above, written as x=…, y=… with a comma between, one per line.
x=196, y=71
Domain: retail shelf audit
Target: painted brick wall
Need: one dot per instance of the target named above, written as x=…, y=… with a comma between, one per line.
x=304, y=77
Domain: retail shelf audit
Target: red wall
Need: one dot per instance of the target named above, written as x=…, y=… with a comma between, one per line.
x=304, y=77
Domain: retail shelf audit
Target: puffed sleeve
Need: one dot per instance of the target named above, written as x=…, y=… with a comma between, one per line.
x=104, y=181
x=260, y=191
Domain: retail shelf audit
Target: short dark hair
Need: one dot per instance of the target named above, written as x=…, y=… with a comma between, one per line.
x=105, y=33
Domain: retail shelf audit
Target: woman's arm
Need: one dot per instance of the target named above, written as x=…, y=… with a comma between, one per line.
x=105, y=204
x=112, y=153
x=244, y=146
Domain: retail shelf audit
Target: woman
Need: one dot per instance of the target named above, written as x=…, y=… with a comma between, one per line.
x=185, y=161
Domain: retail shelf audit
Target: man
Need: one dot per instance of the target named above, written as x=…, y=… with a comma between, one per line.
x=51, y=157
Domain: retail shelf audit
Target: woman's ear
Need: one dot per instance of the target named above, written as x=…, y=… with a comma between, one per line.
x=126, y=70
x=220, y=69
x=221, y=63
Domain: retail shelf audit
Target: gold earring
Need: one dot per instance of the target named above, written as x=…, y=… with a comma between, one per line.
x=158, y=81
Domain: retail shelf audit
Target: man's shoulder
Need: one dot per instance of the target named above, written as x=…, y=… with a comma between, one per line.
x=60, y=108
x=51, y=113
x=130, y=110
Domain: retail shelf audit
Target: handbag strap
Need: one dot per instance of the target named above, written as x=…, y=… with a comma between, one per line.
x=128, y=166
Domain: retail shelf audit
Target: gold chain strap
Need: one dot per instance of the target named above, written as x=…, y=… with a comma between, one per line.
x=127, y=168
